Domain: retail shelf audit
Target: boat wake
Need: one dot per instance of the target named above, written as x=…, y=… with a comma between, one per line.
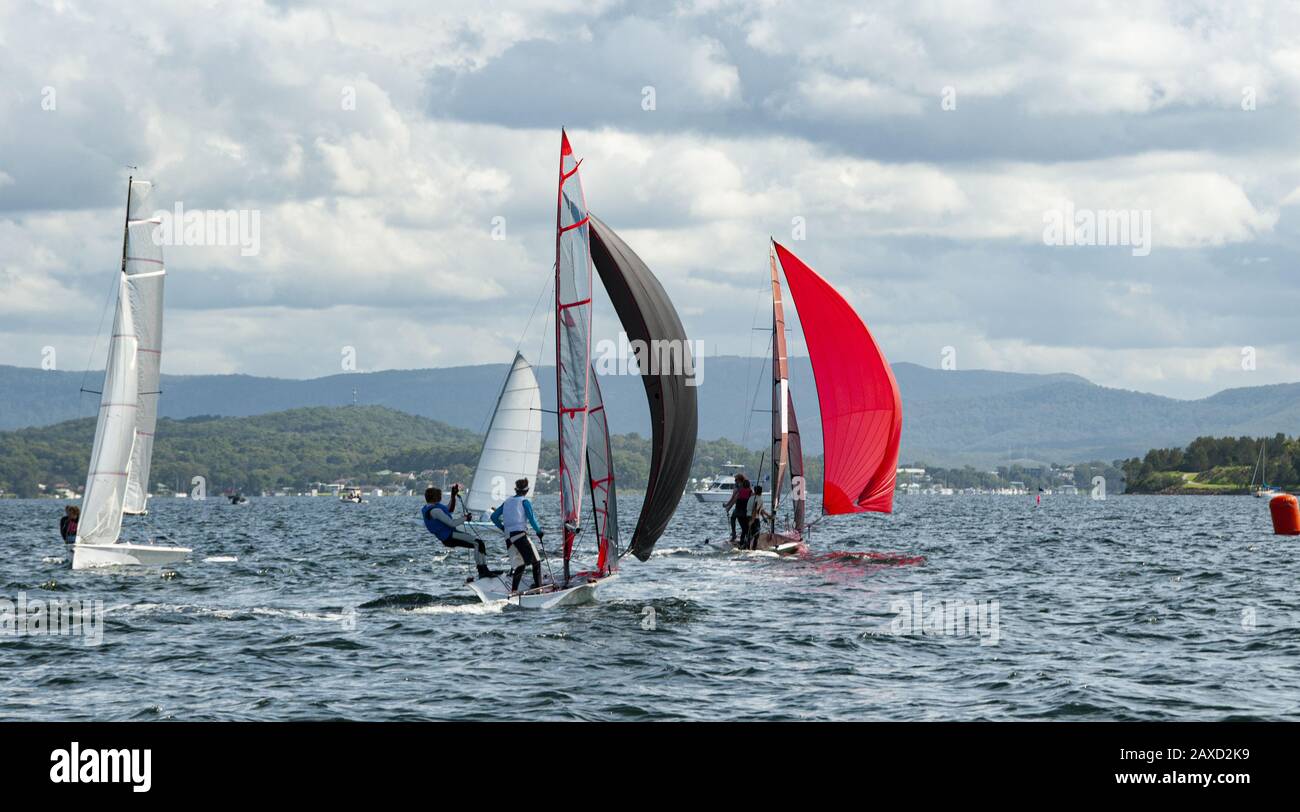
x=685, y=551
x=479, y=608
x=424, y=604
x=230, y=614
x=221, y=559
x=405, y=600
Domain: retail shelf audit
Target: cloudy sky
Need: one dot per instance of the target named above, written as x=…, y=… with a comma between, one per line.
x=921, y=145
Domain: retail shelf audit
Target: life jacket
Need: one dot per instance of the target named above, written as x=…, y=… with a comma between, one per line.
x=442, y=531
x=513, y=515
x=742, y=499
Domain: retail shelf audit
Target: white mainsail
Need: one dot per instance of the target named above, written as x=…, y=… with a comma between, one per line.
x=513, y=444
x=110, y=458
x=118, y=480
x=145, y=274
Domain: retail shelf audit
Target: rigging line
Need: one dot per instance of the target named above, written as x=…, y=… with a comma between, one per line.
x=749, y=415
x=523, y=334
x=546, y=320
x=550, y=280
x=94, y=344
x=749, y=361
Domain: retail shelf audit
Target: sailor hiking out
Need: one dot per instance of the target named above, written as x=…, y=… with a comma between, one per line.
x=439, y=521
x=513, y=517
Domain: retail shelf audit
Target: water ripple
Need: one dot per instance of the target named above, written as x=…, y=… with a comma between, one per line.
x=1128, y=608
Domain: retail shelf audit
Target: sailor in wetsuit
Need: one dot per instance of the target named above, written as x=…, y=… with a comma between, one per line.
x=68, y=524
x=439, y=521
x=737, y=506
x=513, y=516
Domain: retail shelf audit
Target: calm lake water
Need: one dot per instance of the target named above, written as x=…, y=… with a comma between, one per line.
x=298, y=608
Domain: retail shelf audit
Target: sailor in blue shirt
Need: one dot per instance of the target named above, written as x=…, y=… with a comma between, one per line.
x=439, y=521
x=513, y=516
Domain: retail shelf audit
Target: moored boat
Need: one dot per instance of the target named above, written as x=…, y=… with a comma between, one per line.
x=1260, y=474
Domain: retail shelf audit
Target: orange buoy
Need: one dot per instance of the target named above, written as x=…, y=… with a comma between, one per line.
x=1286, y=515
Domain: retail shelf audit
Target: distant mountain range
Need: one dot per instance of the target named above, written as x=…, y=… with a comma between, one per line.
x=950, y=417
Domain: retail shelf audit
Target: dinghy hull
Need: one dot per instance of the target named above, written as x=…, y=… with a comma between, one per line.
x=779, y=543
x=94, y=556
x=550, y=596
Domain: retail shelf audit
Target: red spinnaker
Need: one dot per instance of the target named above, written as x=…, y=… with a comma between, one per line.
x=862, y=414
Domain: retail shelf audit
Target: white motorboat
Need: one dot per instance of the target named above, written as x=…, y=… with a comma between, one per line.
x=721, y=486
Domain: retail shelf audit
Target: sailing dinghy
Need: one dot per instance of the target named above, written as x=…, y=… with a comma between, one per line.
x=585, y=457
x=117, y=482
x=1263, y=491
x=862, y=413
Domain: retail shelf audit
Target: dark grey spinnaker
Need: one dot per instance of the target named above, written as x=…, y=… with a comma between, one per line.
x=648, y=315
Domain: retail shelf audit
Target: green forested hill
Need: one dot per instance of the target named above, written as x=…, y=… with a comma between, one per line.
x=1216, y=465
x=290, y=448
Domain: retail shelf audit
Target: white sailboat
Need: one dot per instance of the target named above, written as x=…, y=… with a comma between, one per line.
x=1263, y=491
x=117, y=482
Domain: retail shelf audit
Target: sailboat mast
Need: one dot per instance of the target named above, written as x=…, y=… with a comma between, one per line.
x=565, y=534
x=126, y=220
x=780, y=386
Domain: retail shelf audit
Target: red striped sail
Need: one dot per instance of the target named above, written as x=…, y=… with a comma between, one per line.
x=572, y=339
x=862, y=414
x=600, y=473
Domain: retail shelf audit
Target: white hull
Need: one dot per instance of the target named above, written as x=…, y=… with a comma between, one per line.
x=91, y=556
x=1266, y=494
x=712, y=496
x=550, y=596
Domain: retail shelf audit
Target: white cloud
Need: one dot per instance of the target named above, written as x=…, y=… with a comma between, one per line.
x=376, y=221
